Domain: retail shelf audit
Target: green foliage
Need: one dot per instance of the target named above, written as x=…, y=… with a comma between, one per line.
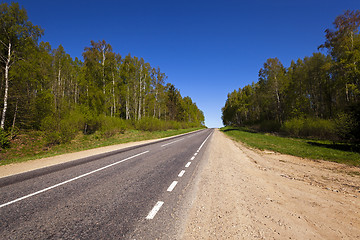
x=150, y=124
x=348, y=125
x=59, y=131
x=4, y=139
x=310, y=127
x=270, y=126
x=105, y=94
x=154, y=124
x=111, y=125
x=318, y=96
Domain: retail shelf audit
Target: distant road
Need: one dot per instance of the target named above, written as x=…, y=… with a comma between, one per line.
x=135, y=194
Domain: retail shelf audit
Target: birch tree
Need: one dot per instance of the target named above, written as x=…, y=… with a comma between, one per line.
x=17, y=35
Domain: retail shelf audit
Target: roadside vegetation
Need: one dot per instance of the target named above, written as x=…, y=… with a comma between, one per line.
x=52, y=101
x=300, y=147
x=318, y=96
x=315, y=102
x=32, y=144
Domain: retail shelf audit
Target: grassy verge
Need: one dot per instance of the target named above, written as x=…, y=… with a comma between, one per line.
x=32, y=145
x=313, y=149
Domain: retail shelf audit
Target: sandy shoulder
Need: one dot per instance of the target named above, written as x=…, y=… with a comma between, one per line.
x=248, y=194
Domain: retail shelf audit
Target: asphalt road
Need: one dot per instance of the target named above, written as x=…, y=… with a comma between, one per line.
x=137, y=193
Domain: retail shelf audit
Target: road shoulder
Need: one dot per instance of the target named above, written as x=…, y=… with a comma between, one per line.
x=248, y=194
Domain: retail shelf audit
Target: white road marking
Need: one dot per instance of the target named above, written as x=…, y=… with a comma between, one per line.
x=188, y=164
x=181, y=173
x=203, y=143
x=192, y=158
x=70, y=180
x=195, y=154
x=154, y=211
x=172, y=142
x=172, y=186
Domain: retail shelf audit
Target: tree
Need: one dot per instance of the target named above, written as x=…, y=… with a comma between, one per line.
x=273, y=84
x=17, y=36
x=98, y=61
x=343, y=44
x=173, y=101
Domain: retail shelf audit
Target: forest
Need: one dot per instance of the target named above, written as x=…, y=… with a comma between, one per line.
x=317, y=96
x=45, y=89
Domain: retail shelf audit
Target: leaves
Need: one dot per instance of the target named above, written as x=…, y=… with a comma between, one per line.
x=50, y=90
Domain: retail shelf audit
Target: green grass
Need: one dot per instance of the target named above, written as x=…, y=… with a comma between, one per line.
x=32, y=145
x=313, y=149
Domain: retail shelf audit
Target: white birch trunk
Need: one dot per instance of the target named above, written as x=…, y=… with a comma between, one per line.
x=140, y=89
x=127, y=104
x=143, y=104
x=7, y=68
x=155, y=102
x=113, y=93
x=103, y=68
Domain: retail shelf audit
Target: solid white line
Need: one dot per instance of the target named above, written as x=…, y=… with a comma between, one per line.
x=204, y=142
x=188, y=164
x=172, y=142
x=181, y=173
x=70, y=180
x=172, y=186
x=155, y=209
x=192, y=158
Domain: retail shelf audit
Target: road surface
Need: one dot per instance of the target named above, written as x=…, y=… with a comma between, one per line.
x=137, y=193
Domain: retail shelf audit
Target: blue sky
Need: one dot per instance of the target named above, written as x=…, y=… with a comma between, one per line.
x=206, y=48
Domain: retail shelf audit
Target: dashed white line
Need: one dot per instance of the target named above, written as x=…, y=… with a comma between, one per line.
x=192, y=158
x=172, y=142
x=70, y=180
x=188, y=164
x=172, y=186
x=195, y=154
x=154, y=211
x=181, y=173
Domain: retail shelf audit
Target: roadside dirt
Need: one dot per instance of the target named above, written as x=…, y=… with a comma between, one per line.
x=249, y=194
x=16, y=168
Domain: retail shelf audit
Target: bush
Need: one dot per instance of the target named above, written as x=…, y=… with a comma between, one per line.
x=110, y=126
x=346, y=126
x=4, y=139
x=151, y=124
x=49, y=126
x=154, y=124
x=293, y=127
x=59, y=131
x=270, y=126
x=310, y=127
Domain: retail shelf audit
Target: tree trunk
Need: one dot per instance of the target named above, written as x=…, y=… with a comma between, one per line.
x=75, y=97
x=127, y=104
x=113, y=93
x=155, y=102
x=103, y=68
x=7, y=68
x=140, y=95
x=14, y=120
x=143, y=104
